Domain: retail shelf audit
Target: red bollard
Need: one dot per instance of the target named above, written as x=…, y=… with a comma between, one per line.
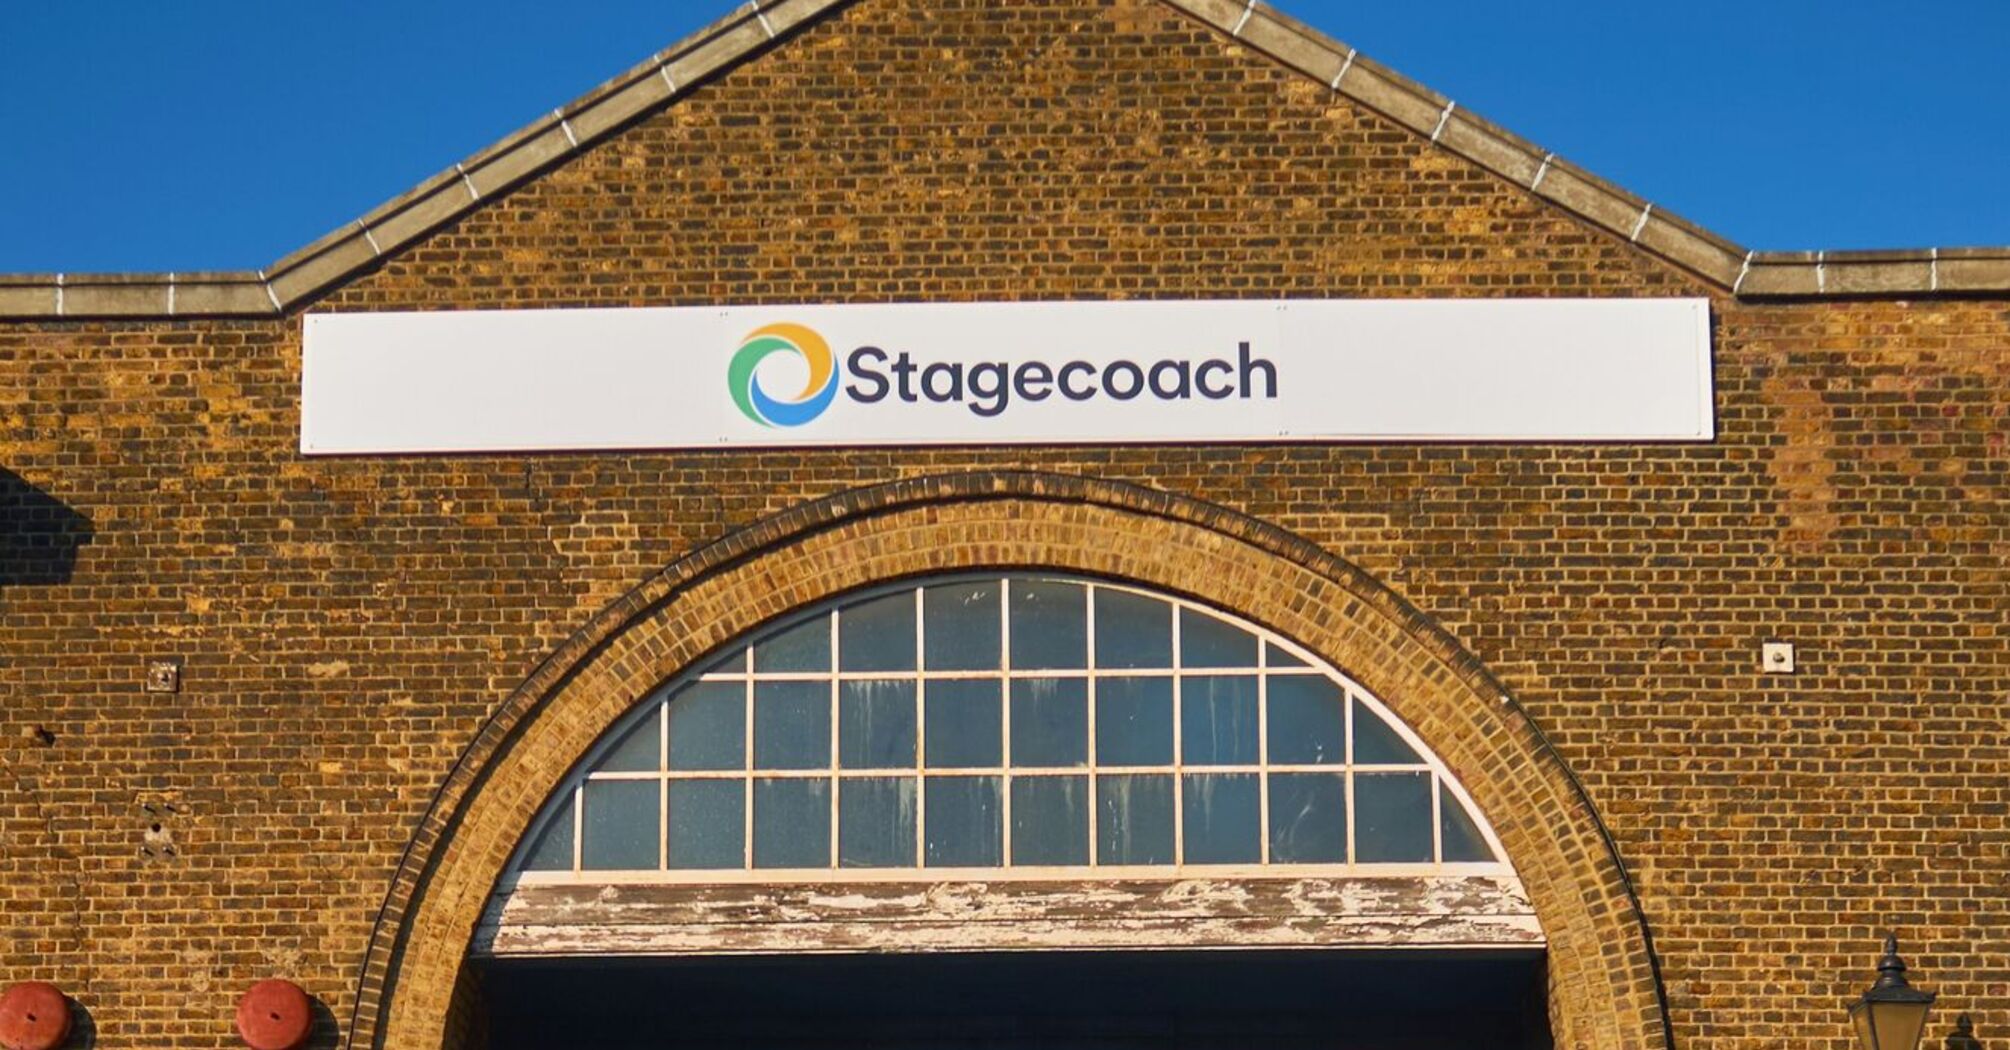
x=34, y=1015
x=274, y=1015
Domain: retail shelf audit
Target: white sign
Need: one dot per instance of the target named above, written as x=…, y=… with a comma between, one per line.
x=1532, y=370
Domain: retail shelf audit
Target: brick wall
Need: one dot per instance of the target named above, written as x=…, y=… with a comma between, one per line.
x=348, y=624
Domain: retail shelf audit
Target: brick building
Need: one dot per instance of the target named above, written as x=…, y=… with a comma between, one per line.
x=386, y=724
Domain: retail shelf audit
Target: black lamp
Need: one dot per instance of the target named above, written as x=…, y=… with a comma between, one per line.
x=1892, y=1014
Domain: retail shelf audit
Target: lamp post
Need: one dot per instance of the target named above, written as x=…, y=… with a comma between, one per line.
x=1892, y=1014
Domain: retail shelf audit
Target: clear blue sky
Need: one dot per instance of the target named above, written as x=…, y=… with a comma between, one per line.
x=221, y=134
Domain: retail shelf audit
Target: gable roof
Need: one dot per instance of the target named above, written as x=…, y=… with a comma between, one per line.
x=299, y=278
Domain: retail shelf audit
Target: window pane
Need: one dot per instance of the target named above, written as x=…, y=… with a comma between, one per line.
x=1132, y=630
x=792, y=823
x=876, y=822
x=1050, y=821
x=804, y=647
x=1134, y=722
x=965, y=825
x=1218, y=720
x=1392, y=817
x=553, y=849
x=640, y=748
x=734, y=662
x=965, y=724
x=961, y=626
x=1050, y=625
x=1462, y=840
x=876, y=724
x=1308, y=818
x=877, y=635
x=1207, y=642
x=708, y=726
x=1134, y=819
x=708, y=824
x=1377, y=743
x=792, y=725
x=621, y=832
x=1050, y=722
x=1307, y=721
x=1277, y=657
x=1222, y=817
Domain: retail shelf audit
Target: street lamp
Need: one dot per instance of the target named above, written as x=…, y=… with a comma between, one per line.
x=1892, y=1014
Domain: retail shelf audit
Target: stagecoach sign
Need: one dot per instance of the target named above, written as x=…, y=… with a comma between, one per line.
x=1529, y=370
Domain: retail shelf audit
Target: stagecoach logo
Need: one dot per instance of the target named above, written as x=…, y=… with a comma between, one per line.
x=755, y=403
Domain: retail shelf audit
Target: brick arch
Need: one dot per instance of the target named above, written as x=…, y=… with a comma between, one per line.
x=1604, y=983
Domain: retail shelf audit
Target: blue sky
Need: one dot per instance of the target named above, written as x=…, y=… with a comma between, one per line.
x=221, y=134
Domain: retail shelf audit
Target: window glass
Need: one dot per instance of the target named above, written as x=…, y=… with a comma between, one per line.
x=1050, y=722
x=876, y=822
x=1308, y=721
x=708, y=726
x=961, y=625
x=1218, y=720
x=1134, y=819
x=1050, y=821
x=965, y=723
x=1392, y=818
x=792, y=725
x=965, y=727
x=1207, y=642
x=708, y=824
x=877, y=635
x=1134, y=721
x=1050, y=625
x=1132, y=630
x=965, y=822
x=622, y=831
x=792, y=823
x=876, y=723
x=1221, y=817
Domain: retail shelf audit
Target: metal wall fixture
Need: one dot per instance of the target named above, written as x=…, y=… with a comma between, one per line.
x=1891, y=1015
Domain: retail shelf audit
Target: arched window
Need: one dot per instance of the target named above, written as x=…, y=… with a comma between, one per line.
x=1023, y=724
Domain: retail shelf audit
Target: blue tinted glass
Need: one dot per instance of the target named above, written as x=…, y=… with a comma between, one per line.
x=1392, y=817
x=622, y=829
x=1461, y=838
x=1218, y=720
x=965, y=822
x=1134, y=722
x=1223, y=818
x=1377, y=743
x=1050, y=722
x=965, y=726
x=804, y=647
x=708, y=726
x=1307, y=721
x=876, y=724
x=876, y=822
x=708, y=824
x=877, y=635
x=792, y=725
x=792, y=823
x=1050, y=625
x=1207, y=642
x=640, y=748
x=1134, y=819
x=1050, y=821
x=960, y=626
x=1277, y=657
x=1308, y=818
x=553, y=849
x=1132, y=630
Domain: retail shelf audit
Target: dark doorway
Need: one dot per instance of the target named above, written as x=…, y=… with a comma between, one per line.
x=1218, y=1000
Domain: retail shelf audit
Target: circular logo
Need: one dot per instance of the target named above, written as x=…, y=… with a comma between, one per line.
x=755, y=403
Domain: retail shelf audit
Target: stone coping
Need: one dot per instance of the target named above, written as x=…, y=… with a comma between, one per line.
x=298, y=279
